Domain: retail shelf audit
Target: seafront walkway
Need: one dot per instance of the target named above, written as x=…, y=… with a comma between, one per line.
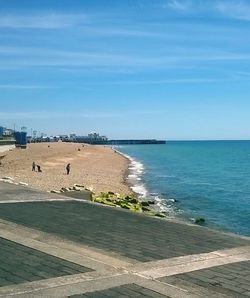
x=56, y=246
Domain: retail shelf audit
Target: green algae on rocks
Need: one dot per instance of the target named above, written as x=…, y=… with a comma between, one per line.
x=129, y=202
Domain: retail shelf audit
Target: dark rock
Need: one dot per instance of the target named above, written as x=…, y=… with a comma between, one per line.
x=124, y=206
x=159, y=215
x=199, y=221
x=131, y=200
x=151, y=202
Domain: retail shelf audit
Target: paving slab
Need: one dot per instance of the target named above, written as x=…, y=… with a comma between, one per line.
x=18, y=193
x=55, y=246
x=233, y=280
x=19, y=264
x=14, y=192
x=128, y=291
x=114, y=230
x=118, y=285
x=80, y=195
x=62, y=248
x=184, y=264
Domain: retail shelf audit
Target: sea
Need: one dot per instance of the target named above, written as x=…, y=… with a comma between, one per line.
x=195, y=179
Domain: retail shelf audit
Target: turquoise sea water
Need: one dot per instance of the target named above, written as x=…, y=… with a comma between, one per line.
x=191, y=179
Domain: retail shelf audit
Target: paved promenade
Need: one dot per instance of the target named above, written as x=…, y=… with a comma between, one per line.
x=56, y=246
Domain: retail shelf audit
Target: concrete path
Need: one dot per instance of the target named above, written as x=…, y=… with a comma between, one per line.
x=12, y=193
x=52, y=246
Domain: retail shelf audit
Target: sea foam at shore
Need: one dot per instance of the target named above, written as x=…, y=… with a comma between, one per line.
x=136, y=170
x=190, y=180
x=135, y=181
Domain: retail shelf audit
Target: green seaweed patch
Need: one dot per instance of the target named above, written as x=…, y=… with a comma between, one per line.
x=154, y=213
x=129, y=202
x=131, y=199
x=104, y=195
x=124, y=206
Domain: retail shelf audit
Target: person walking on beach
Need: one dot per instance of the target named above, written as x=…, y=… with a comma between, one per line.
x=39, y=169
x=33, y=166
x=68, y=168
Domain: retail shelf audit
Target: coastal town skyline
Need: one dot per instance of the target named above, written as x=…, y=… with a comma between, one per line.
x=165, y=69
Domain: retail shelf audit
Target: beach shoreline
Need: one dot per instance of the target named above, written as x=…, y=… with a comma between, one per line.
x=188, y=183
x=135, y=170
x=98, y=168
x=134, y=179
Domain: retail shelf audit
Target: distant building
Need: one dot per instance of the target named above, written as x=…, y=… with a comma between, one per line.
x=29, y=139
x=34, y=134
x=91, y=138
x=72, y=137
x=64, y=138
x=10, y=137
x=1, y=131
x=8, y=132
x=96, y=137
x=6, y=135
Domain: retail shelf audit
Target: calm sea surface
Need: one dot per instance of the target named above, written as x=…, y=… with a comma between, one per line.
x=209, y=179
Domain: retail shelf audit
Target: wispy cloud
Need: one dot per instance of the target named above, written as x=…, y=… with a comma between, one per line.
x=171, y=81
x=243, y=74
x=237, y=9
x=24, y=87
x=183, y=5
x=42, y=21
x=39, y=57
x=47, y=114
x=121, y=31
x=234, y=9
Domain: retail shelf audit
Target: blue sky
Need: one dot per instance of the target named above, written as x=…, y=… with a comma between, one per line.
x=171, y=69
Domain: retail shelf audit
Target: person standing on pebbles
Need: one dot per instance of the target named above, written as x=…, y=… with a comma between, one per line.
x=39, y=168
x=68, y=168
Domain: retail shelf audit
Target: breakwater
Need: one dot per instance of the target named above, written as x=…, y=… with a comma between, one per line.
x=118, y=142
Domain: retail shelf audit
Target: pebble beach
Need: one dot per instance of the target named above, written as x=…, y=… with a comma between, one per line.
x=98, y=168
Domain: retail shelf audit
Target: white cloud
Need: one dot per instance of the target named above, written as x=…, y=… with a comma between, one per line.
x=179, y=5
x=234, y=9
x=42, y=21
x=237, y=9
